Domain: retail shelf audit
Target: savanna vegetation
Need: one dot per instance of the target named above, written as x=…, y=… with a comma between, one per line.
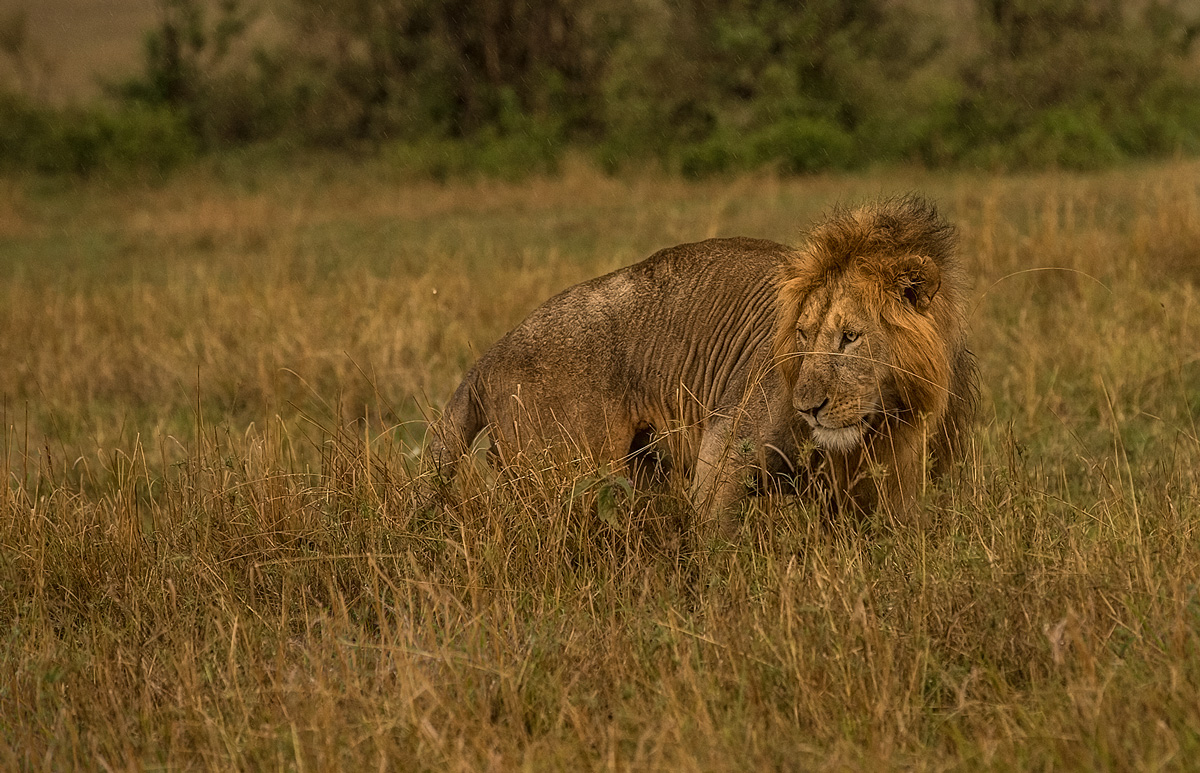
x=220, y=547
x=445, y=88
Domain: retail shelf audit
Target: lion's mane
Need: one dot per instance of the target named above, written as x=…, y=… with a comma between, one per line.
x=898, y=256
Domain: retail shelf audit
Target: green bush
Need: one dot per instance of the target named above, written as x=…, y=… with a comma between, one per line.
x=803, y=146
x=1078, y=84
x=510, y=157
x=137, y=137
x=717, y=154
x=1068, y=138
x=84, y=141
x=796, y=146
x=451, y=87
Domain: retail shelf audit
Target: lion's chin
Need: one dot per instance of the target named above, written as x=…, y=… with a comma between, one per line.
x=842, y=439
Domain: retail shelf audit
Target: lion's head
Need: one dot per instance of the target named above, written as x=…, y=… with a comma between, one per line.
x=869, y=326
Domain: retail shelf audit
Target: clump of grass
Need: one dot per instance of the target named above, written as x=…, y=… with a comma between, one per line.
x=193, y=580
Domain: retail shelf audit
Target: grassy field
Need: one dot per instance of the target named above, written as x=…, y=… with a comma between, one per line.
x=218, y=548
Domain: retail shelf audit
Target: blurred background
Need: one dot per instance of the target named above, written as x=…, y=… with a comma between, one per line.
x=507, y=87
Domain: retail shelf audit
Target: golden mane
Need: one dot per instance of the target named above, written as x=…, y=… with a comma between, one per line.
x=898, y=257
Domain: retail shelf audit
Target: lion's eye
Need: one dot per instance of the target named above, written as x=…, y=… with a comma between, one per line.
x=848, y=337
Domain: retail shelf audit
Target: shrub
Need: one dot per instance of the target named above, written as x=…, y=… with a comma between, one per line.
x=509, y=157
x=83, y=141
x=717, y=154
x=447, y=87
x=1069, y=138
x=802, y=146
x=150, y=138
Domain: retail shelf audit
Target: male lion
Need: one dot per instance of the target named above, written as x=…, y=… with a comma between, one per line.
x=737, y=357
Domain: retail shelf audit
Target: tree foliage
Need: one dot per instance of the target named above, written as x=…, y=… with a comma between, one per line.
x=702, y=86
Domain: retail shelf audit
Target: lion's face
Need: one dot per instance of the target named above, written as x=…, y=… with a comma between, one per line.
x=842, y=388
x=869, y=316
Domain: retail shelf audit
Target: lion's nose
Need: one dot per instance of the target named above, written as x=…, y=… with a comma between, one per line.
x=814, y=408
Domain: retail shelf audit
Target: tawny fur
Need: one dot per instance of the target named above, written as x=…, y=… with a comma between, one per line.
x=897, y=259
x=843, y=364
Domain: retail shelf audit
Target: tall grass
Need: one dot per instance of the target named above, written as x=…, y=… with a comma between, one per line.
x=218, y=547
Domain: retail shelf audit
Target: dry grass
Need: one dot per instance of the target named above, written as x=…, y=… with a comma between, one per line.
x=217, y=549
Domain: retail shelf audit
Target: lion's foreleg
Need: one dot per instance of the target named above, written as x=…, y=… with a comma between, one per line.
x=897, y=473
x=723, y=465
x=886, y=475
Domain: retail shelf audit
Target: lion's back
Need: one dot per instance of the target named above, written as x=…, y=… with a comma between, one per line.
x=609, y=349
x=662, y=296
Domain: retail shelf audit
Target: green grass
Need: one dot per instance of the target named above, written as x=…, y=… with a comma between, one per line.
x=218, y=548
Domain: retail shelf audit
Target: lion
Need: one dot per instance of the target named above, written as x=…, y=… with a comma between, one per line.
x=841, y=366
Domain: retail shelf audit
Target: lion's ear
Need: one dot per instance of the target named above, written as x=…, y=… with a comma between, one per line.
x=917, y=280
